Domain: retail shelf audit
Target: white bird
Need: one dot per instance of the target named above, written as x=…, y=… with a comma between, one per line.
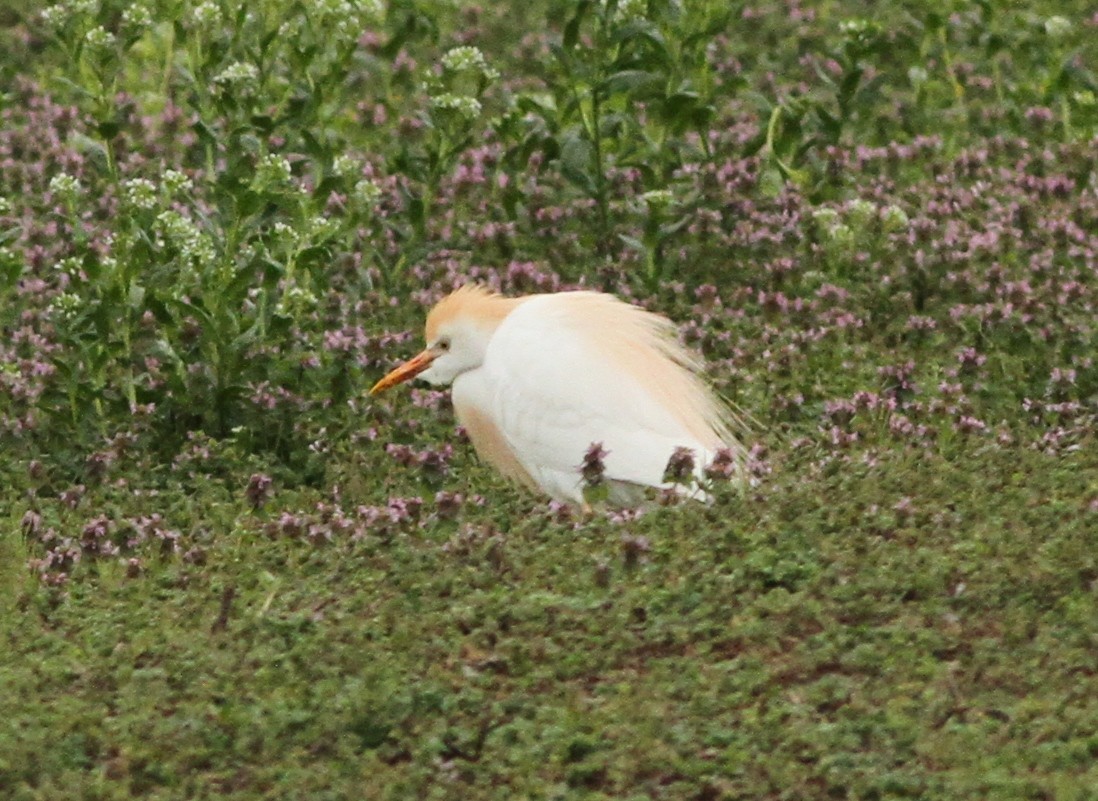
x=538, y=379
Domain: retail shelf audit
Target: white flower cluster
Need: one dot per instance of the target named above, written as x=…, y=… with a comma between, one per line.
x=55, y=17
x=139, y=193
x=207, y=15
x=66, y=305
x=99, y=39
x=295, y=297
x=284, y=233
x=176, y=182
x=859, y=215
x=464, y=105
x=179, y=232
x=344, y=165
x=830, y=221
x=58, y=16
x=345, y=17
x=273, y=170
x=854, y=27
x=71, y=266
x=321, y=227
x=239, y=74
x=65, y=186
x=1058, y=27
x=861, y=211
x=468, y=59
x=894, y=219
x=335, y=20
x=8, y=256
x=367, y=193
x=136, y=18
x=825, y=217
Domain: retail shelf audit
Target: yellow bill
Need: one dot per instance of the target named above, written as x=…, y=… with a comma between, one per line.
x=410, y=369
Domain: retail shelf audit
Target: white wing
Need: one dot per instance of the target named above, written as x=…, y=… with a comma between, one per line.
x=551, y=393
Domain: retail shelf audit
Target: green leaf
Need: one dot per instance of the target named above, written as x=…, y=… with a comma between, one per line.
x=631, y=82
x=577, y=156
x=108, y=129
x=248, y=337
x=830, y=124
x=633, y=243
x=205, y=134
x=771, y=181
x=572, y=28
x=10, y=272
x=137, y=297
x=674, y=227
x=85, y=144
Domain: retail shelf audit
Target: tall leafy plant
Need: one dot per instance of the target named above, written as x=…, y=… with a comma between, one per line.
x=630, y=86
x=214, y=262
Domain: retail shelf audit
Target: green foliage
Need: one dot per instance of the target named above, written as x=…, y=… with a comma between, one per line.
x=630, y=87
x=204, y=271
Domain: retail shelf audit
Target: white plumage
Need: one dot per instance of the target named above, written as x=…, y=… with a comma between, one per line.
x=538, y=379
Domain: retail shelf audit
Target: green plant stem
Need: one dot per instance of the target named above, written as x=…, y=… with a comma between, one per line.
x=601, y=200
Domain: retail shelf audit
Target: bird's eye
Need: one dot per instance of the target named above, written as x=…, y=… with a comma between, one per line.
x=444, y=345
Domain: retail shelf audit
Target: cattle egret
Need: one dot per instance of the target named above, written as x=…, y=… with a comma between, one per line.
x=538, y=379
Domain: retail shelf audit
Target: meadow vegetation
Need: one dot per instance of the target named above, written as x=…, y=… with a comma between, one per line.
x=226, y=572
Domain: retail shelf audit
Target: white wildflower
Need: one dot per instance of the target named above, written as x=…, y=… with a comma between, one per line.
x=367, y=193
x=273, y=170
x=99, y=38
x=240, y=74
x=861, y=211
x=55, y=17
x=65, y=186
x=284, y=233
x=71, y=267
x=139, y=193
x=295, y=297
x=468, y=59
x=344, y=165
x=842, y=235
x=894, y=219
x=340, y=16
x=825, y=216
x=181, y=233
x=136, y=18
x=66, y=305
x=1058, y=27
x=176, y=182
x=321, y=227
x=207, y=15
x=464, y=105
x=854, y=27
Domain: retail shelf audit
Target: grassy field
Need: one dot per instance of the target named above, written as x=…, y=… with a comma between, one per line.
x=226, y=572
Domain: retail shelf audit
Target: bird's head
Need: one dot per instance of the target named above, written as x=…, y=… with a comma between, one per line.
x=458, y=330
